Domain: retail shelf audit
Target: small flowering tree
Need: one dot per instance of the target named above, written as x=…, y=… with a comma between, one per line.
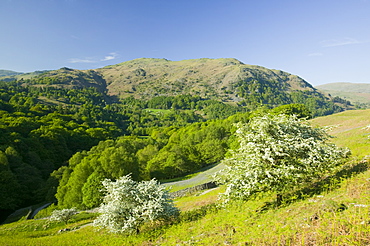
x=63, y=215
x=277, y=153
x=129, y=204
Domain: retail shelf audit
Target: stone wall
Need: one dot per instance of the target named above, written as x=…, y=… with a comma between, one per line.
x=184, y=192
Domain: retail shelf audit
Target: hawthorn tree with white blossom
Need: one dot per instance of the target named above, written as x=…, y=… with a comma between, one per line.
x=129, y=204
x=63, y=215
x=277, y=153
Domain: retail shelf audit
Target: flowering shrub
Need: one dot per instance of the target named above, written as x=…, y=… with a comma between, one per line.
x=277, y=153
x=63, y=215
x=128, y=204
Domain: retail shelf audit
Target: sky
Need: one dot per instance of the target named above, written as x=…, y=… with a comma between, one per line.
x=322, y=41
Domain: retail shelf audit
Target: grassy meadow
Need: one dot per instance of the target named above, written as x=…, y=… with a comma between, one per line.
x=333, y=211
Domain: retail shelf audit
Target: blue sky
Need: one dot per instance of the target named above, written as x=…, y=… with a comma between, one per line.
x=321, y=41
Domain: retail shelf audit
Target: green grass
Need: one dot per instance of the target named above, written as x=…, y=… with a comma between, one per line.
x=199, y=199
x=348, y=130
x=335, y=211
x=353, y=92
x=158, y=111
x=189, y=176
x=41, y=231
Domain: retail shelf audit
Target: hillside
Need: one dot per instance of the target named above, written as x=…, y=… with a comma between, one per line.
x=357, y=93
x=332, y=212
x=350, y=129
x=172, y=116
x=4, y=73
x=8, y=75
x=72, y=79
x=215, y=78
x=225, y=80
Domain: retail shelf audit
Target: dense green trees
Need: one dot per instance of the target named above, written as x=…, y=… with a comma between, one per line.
x=272, y=94
x=165, y=154
x=38, y=136
x=191, y=148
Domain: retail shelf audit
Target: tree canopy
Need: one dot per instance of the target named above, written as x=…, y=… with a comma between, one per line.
x=277, y=153
x=128, y=204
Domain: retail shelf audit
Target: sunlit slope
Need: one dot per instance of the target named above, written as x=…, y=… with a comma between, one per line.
x=349, y=130
x=356, y=93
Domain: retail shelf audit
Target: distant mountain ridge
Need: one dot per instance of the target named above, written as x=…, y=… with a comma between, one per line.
x=357, y=93
x=8, y=73
x=145, y=78
x=148, y=77
x=224, y=79
x=214, y=78
x=346, y=86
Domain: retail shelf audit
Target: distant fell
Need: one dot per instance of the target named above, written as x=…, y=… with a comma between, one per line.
x=345, y=86
x=357, y=93
x=226, y=78
x=8, y=73
x=72, y=78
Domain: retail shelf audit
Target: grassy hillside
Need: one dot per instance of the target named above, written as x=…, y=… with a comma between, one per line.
x=8, y=75
x=204, y=77
x=71, y=79
x=356, y=93
x=4, y=73
x=334, y=211
x=349, y=130
x=225, y=80
x=348, y=87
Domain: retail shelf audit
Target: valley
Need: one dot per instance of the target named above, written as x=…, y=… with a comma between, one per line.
x=64, y=131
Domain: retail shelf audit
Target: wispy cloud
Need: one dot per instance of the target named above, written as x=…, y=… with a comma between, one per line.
x=315, y=54
x=109, y=57
x=340, y=42
x=77, y=60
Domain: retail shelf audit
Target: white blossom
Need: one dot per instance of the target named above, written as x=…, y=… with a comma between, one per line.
x=277, y=153
x=63, y=215
x=128, y=204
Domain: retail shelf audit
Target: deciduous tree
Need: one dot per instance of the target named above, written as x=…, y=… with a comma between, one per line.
x=277, y=153
x=129, y=204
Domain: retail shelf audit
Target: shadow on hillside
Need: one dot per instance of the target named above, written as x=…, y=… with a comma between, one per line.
x=327, y=184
